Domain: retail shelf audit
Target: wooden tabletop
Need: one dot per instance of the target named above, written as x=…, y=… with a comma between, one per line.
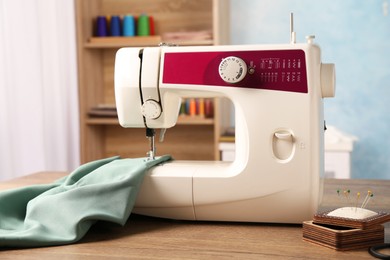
x=146, y=237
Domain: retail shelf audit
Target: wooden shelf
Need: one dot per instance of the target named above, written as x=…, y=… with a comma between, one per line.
x=137, y=41
x=117, y=42
x=102, y=121
x=182, y=120
x=194, y=120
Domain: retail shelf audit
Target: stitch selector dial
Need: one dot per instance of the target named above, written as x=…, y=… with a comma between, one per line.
x=232, y=69
x=151, y=109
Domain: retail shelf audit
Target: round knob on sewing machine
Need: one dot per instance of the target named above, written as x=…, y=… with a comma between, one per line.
x=232, y=69
x=151, y=109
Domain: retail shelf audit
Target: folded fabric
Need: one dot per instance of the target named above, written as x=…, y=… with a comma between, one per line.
x=63, y=211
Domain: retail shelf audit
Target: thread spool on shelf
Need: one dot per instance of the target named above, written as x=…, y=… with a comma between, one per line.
x=102, y=26
x=143, y=25
x=129, y=26
x=201, y=107
x=115, y=26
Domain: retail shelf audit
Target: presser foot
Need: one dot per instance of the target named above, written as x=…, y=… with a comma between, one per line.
x=150, y=134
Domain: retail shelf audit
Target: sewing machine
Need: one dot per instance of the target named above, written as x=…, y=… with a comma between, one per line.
x=277, y=91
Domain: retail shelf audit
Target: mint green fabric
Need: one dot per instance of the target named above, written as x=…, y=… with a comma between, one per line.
x=63, y=211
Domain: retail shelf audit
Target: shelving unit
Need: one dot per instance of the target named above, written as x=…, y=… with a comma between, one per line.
x=193, y=138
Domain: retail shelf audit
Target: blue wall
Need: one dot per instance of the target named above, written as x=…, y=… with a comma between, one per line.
x=353, y=34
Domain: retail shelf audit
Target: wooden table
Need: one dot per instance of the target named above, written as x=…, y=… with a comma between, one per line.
x=145, y=237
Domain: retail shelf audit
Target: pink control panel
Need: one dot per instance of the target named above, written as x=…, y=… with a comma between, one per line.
x=282, y=70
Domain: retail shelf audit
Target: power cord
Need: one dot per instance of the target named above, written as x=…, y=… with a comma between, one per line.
x=374, y=251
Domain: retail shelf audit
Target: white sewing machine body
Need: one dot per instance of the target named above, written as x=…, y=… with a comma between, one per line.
x=278, y=100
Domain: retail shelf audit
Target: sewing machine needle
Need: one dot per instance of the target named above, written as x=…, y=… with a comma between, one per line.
x=150, y=134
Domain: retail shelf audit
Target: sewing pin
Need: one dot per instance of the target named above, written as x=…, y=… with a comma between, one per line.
x=365, y=199
x=357, y=200
x=346, y=194
x=338, y=195
x=368, y=196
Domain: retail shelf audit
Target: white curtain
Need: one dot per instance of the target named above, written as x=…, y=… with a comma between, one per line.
x=38, y=87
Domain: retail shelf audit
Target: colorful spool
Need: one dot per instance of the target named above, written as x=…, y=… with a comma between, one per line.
x=115, y=26
x=101, y=26
x=128, y=26
x=151, y=25
x=143, y=28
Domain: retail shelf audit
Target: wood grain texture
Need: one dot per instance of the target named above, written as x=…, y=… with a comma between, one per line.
x=153, y=238
x=341, y=238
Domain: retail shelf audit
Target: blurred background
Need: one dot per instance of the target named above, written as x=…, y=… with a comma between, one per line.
x=353, y=34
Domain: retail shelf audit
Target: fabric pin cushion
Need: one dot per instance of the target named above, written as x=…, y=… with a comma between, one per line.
x=347, y=228
x=354, y=217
